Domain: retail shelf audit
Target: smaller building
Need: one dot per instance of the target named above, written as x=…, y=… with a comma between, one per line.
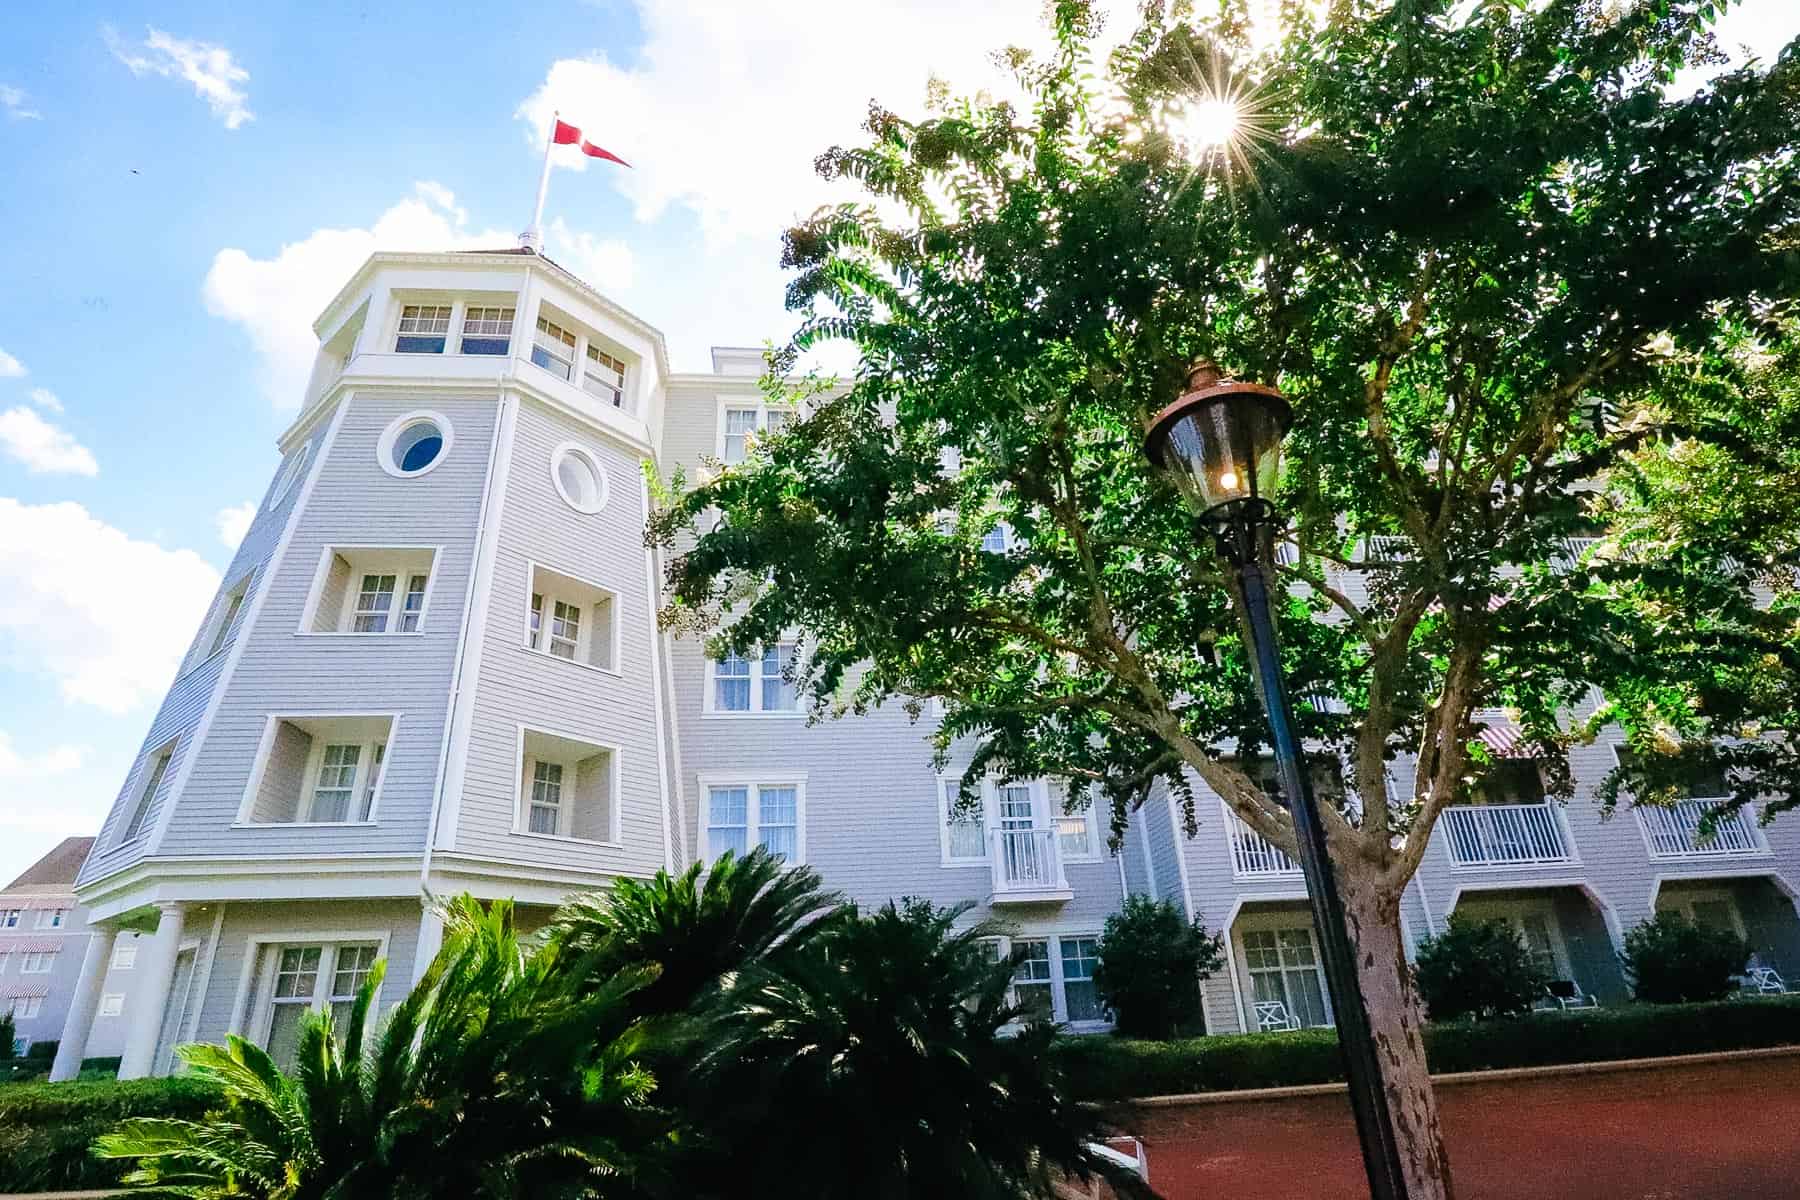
x=44, y=937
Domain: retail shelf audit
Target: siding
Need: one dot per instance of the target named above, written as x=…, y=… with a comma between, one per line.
x=178, y=717
x=282, y=670
x=519, y=686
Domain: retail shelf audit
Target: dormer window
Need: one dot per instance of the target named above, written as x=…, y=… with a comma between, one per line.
x=370, y=590
x=424, y=329
x=604, y=376
x=554, y=349
x=487, y=331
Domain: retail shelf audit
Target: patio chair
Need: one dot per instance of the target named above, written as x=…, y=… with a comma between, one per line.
x=1272, y=1015
x=1567, y=994
x=1762, y=979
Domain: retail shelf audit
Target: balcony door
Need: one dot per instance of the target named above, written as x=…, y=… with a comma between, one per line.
x=1534, y=924
x=1021, y=816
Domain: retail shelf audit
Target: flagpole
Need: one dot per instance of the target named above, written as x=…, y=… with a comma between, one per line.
x=533, y=237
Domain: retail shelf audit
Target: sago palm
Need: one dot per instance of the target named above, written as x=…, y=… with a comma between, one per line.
x=885, y=1061
x=494, y=1077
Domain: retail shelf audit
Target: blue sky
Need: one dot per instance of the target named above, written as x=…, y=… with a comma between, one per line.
x=183, y=185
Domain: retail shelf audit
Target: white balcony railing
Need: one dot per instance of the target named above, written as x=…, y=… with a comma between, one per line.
x=1254, y=855
x=1028, y=865
x=1505, y=835
x=1674, y=832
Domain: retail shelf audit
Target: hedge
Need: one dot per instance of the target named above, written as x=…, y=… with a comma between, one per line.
x=1109, y=1068
x=46, y=1128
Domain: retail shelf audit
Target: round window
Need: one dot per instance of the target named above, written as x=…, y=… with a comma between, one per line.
x=414, y=444
x=579, y=478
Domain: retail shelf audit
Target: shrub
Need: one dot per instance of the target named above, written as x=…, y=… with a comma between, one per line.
x=46, y=1129
x=1152, y=960
x=1476, y=969
x=8, y=1031
x=1671, y=960
x=1099, y=1068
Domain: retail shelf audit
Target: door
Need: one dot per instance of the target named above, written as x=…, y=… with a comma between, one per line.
x=1284, y=969
x=175, y=1012
x=1024, y=847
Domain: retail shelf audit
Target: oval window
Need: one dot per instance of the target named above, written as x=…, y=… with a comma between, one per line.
x=579, y=478
x=414, y=444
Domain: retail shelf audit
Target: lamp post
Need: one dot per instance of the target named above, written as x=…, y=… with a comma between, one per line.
x=1220, y=444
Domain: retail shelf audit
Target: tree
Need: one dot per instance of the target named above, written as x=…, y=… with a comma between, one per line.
x=492, y=1078
x=884, y=1060
x=1671, y=960
x=1152, y=960
x=1477, y=969
x=9, y=1031
x=1516, y=284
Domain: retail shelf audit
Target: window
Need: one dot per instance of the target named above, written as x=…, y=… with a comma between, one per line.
x=1284, y=969
x=740, y=425
x=965, y=826
x=1075, y=832
x=579, y=478
x=568, y=788
x=112, y=1004
x=292, y=980
x=1709, y=908
x=10, y=917
x=423, y=329
x=571, y=619
x=296, y=981
x=348, y=975
x=740, y=816
x=1510, y=781
x=755, y=684
x=604, y=376
x=25, y=1007
x=146, y=800
x=553, y=348
x=1033, y=988
x=318, y=770
x=413, y=444
x=1327, y=780
x=124, y=956
x=225, y=616
x=999, y=539
x=37, y=962
x=52, y=918
x=486, y=330
x=370, y=590
x=1079, y=957
x=290, y=474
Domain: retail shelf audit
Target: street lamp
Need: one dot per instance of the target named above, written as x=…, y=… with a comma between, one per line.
x=1220, y=444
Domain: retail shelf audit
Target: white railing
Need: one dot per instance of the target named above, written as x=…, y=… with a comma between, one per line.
x=1252, y=854
x=1387, y=547
x=1674, y=832
x=1027, y=862
x=1505, y=835
x=1576, y=548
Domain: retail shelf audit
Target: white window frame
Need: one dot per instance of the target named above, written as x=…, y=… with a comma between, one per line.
x=1275, y=921
x=25, y=1008
x=124, y=956
x=617, y=400
x=762, y=408
x=603, y=485
x=451, y=319
x=309, y=781
x=1681, y=898
x=521, y=825
x=753, y=782
x=112, y=1004
x=491, y=330
x=545, y=339
x=232, y=601
x=1059, y=998
x=757, y=677
x=251, y=1015
x=151, y=777
x=584, y=643
x=384, y=446
x=37, y=962
x=52, y=918
x=1045, y=815
x=396, y=610
x=11, y=917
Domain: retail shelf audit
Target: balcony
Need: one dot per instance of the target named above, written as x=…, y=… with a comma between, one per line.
x=1255, y=857
x=1674, y=832
x=1506, y=835
x=1028, y=867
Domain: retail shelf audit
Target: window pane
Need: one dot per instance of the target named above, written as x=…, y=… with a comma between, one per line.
x=546, y=798
x=284, y=1033
x=1079, y=957
x=968, y=837
x=414, y=603
x=731, y=677
x=351, y=971
x=727, y=820
x=777, y=693
x=740, y=424
x=337, y=781
x=374, y=781
x=373, y=601
x=565, y=629
x=1073, y=832
x=1031, y=979
x=1015, y=806
x=537, y=619
x=778, y=820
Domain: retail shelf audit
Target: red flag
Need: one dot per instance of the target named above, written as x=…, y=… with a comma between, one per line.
x=568, y=135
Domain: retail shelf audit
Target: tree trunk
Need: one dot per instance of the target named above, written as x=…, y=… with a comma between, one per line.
x=1396, y=1022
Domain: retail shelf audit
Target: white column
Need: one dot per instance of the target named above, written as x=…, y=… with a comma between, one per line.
x=158, y=977
x=431, y=940
x=72, y=1048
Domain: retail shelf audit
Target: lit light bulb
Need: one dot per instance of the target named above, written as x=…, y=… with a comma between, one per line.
x=1228, y=479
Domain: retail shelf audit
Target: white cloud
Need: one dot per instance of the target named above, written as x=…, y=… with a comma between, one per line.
x=43, y=448
x=57, y=760
x=234, y=522
x=726, y=106
x=209, y=68
x=105, y=615
x=605, y=264
x=10, y=367
x=277, y=299
x=46, y=399
x=13, y=100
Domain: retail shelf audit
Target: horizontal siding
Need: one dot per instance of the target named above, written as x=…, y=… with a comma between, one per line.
x=519, y=686
x=355, y=501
